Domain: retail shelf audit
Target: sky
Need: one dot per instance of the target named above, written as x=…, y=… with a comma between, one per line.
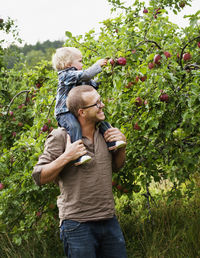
x=41, y=20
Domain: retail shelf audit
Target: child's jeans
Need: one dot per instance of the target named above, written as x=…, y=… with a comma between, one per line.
x=71, y=124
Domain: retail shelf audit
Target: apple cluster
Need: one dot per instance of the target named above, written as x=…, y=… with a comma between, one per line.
x=47, y=127
x=119, y=187
x=119, y=61
x=1, y=186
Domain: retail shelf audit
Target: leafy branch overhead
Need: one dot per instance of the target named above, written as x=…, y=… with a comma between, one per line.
x=150, y=88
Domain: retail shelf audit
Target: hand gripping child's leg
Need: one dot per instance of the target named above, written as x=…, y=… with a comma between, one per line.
x=71, y=124
x=118, y=144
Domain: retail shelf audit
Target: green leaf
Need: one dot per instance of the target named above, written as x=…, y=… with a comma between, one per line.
x=68, y=34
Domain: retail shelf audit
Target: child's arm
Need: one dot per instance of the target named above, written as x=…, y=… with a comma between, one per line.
x=93, y=70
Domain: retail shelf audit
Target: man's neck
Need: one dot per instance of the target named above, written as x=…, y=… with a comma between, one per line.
x=88, y=131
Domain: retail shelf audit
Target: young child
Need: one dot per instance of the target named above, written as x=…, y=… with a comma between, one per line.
x=68, y=62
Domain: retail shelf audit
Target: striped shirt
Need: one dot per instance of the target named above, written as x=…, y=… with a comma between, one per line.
x=86, y=190
x=70, y=78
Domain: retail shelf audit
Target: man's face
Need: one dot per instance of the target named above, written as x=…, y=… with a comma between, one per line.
x=95, y=112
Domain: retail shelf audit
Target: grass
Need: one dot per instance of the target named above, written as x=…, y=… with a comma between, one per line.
x=165, y=231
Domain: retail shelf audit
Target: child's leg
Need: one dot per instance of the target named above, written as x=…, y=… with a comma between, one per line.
x=71, y=124
x=104, y=126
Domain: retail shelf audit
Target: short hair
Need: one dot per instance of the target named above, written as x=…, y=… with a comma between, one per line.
x=63, y=57
x=75, y=99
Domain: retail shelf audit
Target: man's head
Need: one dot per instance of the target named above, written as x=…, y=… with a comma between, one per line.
x=85, y=102
x=66, y=57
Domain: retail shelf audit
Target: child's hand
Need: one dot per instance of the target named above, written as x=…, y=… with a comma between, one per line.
x=102, y=62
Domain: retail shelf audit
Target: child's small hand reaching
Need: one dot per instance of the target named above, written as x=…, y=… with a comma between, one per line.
x=102, y=62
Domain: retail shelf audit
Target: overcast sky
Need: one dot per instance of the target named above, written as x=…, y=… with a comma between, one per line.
x=41, y=20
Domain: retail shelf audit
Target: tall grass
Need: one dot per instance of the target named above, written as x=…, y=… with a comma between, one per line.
x=166, y=230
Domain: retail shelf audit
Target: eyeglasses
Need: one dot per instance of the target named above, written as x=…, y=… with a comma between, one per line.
x=98, y=104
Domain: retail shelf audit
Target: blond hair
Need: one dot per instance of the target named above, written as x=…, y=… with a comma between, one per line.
x=75, y=99
x=63, y=57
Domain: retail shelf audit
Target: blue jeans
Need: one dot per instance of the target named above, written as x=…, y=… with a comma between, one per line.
x=93, y=239
x=71, y=124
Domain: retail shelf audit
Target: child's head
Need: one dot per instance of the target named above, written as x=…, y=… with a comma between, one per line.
x=66, y=57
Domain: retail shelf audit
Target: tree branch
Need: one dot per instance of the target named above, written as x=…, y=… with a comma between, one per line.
x=12, y=100
x=181, y=56
x=148, y=41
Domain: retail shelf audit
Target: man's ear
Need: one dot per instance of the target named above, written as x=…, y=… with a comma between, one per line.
x=81, y=112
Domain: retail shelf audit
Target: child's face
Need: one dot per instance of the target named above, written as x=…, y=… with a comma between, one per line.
x=77, y=61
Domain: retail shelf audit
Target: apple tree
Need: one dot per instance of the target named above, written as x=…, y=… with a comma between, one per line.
x=151, y=91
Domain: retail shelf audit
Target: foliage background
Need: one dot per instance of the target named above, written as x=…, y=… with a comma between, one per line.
x=162, y=135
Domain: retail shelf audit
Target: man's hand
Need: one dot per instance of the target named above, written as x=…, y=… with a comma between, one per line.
x=74, y=150
x=114, y=134
x=102, y=62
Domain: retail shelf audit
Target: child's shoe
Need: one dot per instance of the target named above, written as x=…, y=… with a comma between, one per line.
x=82, y=160
x=119, y=144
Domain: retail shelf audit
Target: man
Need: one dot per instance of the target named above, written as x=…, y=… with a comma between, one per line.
x=89, y=227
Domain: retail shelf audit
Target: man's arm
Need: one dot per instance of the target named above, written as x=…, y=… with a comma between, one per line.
x=49, y=166
x=119, y=156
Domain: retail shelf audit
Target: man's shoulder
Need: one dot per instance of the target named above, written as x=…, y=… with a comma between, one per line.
x=59, y=131
x=58, y=134
x=57, y=137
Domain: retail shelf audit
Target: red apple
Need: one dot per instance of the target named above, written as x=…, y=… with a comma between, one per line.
x=20, y=124
x=157, y=59
x=1, y=186
x=182, y=4
x=145, y=102
x=44, y=128
x=20, y=106
x=164, y=97
x=133, y=51
x=52, y=206
x=11, y=113
x=167, y=54
x=125, y=190
x=121, y=61
x=119, y=187
x=138, y=101
x=143, y=78
x=198, y=44
x=27, y=99
x=136, y=126
x=38, y=213
x=158, y=11
x=114, y=183
x=187, y=56
x=145, y=10
x=14, y=134
x=137, y=78
x=38, y=85
x=112, y=61
x=129, y=85
x=151, y=65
